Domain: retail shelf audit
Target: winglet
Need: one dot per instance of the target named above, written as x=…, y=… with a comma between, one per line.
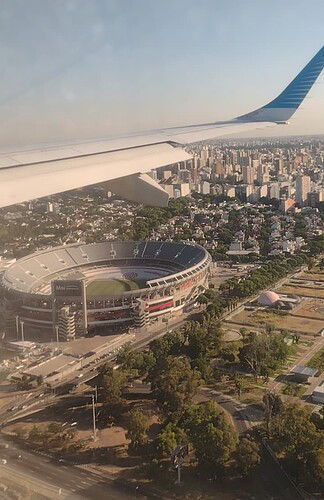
x=284, y=106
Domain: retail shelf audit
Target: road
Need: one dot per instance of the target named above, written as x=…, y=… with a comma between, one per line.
x=242, y=416
x=53, y=479
x=34, y=404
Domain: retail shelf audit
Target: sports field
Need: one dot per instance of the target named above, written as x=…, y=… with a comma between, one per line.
x=99, y=288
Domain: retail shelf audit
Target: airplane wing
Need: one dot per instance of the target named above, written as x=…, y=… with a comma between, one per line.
x=122, y=162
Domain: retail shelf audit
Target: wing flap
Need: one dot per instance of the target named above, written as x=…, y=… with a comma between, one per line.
x=22, y=183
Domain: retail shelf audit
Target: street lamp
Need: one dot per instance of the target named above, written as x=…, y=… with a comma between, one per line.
x=94, y=417
x=22, y=330
x=17, y=326
x=57, y=333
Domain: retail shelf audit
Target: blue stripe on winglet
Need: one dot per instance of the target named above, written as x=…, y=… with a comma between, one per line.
x=296, y=91
x=283, y=107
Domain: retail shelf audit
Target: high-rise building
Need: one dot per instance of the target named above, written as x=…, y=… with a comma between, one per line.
x=262, y=174
x=205, y=187
x=315, y=197
x=219, y=170
x=49, y=207
x=274, y=190
x=243, y=158
x=244, y=192
x=278, y=163
x=203, y=157
x=303, y=187
x=248, y=174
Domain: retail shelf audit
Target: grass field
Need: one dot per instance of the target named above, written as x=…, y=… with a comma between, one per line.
x=99, y=288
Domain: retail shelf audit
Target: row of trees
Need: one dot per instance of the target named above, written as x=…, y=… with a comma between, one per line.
x=262, y=277
x=235, y=289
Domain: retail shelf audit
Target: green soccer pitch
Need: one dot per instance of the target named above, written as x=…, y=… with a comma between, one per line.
x=99, y=288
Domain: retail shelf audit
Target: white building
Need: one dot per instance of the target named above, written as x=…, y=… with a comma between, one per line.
x=318, y=394
x=274, y=190
x=303, y=187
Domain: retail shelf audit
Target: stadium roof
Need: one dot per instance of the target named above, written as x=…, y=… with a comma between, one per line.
x=30, y=274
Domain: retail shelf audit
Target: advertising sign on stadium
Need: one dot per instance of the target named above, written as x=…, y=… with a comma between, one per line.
x=65, y=288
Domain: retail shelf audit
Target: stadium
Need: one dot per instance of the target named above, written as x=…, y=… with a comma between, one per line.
x=82, y=289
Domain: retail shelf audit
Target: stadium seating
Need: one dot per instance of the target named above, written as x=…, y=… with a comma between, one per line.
x=30, y=272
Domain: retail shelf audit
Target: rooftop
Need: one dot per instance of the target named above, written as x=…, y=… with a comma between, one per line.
x=319, y=389
x=304, y=370
x=80, y=347
x=49, y=366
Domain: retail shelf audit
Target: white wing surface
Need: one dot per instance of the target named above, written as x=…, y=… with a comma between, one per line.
x=121, y=162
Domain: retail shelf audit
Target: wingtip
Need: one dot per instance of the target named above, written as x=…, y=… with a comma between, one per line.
x=288, y=101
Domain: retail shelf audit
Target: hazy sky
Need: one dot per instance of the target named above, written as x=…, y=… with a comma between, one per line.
x=75, y=69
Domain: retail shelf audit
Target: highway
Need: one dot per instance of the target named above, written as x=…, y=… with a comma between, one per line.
x=54, y=479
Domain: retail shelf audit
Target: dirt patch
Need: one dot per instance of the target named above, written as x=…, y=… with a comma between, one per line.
x=310, y=308
x=312, y=276
x=302, y=291
x=287, y=322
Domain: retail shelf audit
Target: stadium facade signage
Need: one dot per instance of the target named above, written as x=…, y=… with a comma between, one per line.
x=66, y=288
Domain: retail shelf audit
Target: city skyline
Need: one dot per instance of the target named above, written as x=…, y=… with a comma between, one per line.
x=76, y=71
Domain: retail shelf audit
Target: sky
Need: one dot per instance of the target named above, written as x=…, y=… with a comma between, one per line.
x=83, y=69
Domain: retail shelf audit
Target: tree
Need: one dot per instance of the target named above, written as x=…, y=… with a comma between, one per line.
x=272, y=407
x=171, y=343
x=296, y=439
x=135, y=360
x=54, y=428
x=111, y=385
x=239, y=384
x=247, y=456
x=203, y=339
x=35, y=434
x=263, y=353
x=212, y=436
x=203, y=366
x=173, y=383
x=137, y=425
x=202, y=299
x=169, y=438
